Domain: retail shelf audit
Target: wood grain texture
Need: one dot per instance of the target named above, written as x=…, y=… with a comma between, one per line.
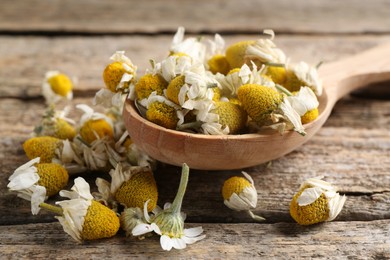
x=121, y=16
x=235, y=241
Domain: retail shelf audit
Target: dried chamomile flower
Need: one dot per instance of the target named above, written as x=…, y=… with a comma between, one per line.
x=316, y=201
x=132, y=186
x=149, y=83
x=55, y=124
x=259, y=102
x=191, y=46
x=231, y=115
x=240, y=194
x=302, y=74
x=217, y=61
x=265, y=51
x=169, y=223
x=56, y=86
x=34, y=181
x=162, y=114
x=94, y=125
x=130, y=218
x=305, y=102
x=235, y=54
x=44, y=147
x=119, y=75
x=82, y=217
x=174, y=87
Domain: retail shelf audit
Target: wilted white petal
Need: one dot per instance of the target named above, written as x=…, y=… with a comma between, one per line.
x=178, y=243
x=193, y=232
x=38, y=196
x=166, y=242
x=309, y=195
x=141, y=229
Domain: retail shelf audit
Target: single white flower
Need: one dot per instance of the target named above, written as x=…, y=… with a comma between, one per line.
x=56, y=86
x=24, y=181
x=240, y=194
x=169, y=223
x=316, y=201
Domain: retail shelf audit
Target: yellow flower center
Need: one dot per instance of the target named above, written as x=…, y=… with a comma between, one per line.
x=309, y=116
x=60, y=84
x=234, y=185
x=53, y=177
x=174, y=87
x=277, y=74
x=112, y=76
x=64, y=130
x=162, y=114
x=99, y=127
x=292, y=82
x=99, y=222
x=137, y=190
x=235, y=54
x=43, y=147
x=316, y=212
x=259, y=101
x=149, y=83
x=231, y=115
x=219, y=63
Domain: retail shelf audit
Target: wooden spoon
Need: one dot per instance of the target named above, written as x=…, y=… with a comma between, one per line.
x=226, y=152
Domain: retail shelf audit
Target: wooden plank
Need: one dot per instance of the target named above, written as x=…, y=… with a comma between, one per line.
x=156, y=16
x=353, y=155
x=24, y=60
x=356, y=240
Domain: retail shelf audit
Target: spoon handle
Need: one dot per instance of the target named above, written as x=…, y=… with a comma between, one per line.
x=346, y=75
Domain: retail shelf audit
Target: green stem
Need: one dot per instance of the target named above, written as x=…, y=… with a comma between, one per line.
x=273, y=64
x=176, y=205
x=83, y=141
x=283, y=89
x=54, y=209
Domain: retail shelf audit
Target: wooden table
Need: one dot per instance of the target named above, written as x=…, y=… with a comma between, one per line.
x=352, y=150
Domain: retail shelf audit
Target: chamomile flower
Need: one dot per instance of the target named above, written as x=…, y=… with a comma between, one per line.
x=44, y=147
x=94, y=125
x=240, y=194
x=149, y=83
x=259, y=102
x=82, y=217
x=56, y=86
x=235, y=53
x=36, y=181
x=302, y=74
x=217, y=61
x=169, y=223
x=132, y=186
x=55, y=124
x=231, y=115
x=162, y=114
x=191, y=46
x=316, y=201
x=265, y=51
x=305, y=103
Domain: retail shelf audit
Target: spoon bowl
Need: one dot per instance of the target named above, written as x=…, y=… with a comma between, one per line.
x=228, y=152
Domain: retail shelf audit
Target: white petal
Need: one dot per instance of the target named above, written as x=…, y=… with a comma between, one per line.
x=23, y=181
x=166, y=243
x=146, y=214
x=309, y=195
x=27, y=165
x=156, y=229
x=178, y=243
x=193, y=232
x=38, y=197
x=335, y=206
x=141, y=229
x=292, y=116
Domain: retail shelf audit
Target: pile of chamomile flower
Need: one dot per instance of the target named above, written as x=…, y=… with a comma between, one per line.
x=203, y=87
x=197, y=88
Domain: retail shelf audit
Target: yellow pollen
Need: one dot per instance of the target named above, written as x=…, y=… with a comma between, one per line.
x=53, y=177
x=259, y=101
x=234, y=185
x=309, y=116
x=101, y=127
x=218, y=64
x=43, y=147
x=231, y=115
x=60, y=84
x=99, y=222
x=174, y=87
x=162, y=114
x=113, y=74
x=137, y=190
x=149, y=83
x=314, y=213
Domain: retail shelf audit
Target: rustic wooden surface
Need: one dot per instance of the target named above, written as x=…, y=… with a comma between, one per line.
x=352, y=150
